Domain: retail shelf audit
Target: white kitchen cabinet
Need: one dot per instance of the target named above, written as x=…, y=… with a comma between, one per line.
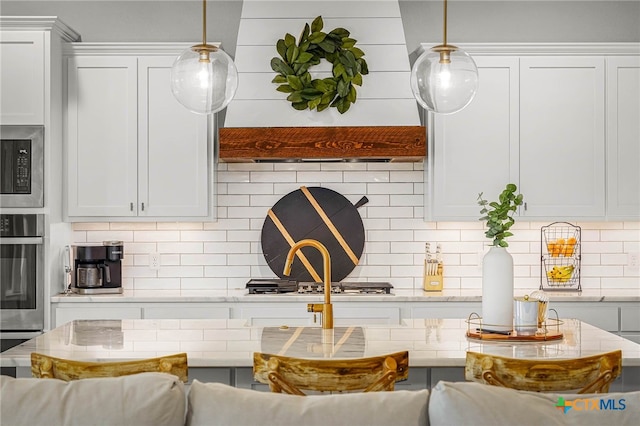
x=296, y=315
x=623, y=137
x=133, y=151
x=562, y=141
x=476, y=149
x=185, y=311
x=102, y=169
x=63, y=315
x=22, y=83
x=538, y=120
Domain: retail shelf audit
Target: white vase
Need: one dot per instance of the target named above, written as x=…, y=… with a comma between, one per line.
x=497, y=289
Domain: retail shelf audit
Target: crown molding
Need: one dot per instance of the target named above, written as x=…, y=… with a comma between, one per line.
x=126, y=48
x=565, y=49
x=40, y=23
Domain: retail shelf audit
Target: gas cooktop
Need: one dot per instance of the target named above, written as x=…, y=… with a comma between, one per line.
x=279, y=286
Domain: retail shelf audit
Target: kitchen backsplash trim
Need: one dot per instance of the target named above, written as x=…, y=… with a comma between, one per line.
x=225, y=254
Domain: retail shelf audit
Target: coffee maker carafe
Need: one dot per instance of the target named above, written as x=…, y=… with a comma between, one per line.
x=97, y=269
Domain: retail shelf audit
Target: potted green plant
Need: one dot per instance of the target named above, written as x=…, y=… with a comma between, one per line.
x=499, y=214
x=497, y=264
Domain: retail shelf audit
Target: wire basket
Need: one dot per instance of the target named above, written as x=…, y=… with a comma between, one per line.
x=560, y=257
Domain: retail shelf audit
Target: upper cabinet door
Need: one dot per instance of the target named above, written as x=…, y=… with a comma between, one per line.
x=22, y=78
x=102, y=136
x=476, y=149
x=562, y=140
x=623, y=137
x=173, y=155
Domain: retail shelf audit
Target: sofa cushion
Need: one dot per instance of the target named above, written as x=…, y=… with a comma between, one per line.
x=466, y=403
x=139, y=399
x=218, y=404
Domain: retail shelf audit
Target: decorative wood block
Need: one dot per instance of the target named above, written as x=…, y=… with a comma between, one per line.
x=399, y=143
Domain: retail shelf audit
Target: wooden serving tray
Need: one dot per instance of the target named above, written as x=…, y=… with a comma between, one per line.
x=538, y=337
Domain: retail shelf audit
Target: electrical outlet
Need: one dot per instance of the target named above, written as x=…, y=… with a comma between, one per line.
x=154, y=260
x=633, y=260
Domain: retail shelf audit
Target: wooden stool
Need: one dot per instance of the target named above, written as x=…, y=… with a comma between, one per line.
x=592, y=374
x=43, y=366
x=292, y=375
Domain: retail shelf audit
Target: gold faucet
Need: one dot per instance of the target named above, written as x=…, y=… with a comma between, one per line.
x=326, y=309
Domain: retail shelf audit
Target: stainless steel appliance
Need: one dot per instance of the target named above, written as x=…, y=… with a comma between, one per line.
x=21, y=272
x=97, y=269
x=21, y=166
x=280, y=286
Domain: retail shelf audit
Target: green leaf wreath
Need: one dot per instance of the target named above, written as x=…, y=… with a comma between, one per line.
x=295, y=60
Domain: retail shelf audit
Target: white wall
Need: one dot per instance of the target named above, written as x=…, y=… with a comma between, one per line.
x=468, y=21
x=196, y=256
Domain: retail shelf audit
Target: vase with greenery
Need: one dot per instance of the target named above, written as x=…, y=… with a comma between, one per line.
x=499, y=214
x=497, y=264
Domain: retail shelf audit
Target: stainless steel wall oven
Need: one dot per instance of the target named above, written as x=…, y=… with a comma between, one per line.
x=21, y=273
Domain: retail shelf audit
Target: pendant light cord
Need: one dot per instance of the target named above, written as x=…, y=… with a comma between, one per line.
x=204, y=22
x=445, y=23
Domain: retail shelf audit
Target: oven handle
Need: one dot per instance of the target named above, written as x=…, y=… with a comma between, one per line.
x=22, y=240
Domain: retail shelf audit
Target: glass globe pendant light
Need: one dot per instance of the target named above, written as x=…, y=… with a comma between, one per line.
x=444, y=79
x=204, y=78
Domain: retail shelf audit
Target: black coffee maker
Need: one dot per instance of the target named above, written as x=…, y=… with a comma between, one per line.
x=97, y=269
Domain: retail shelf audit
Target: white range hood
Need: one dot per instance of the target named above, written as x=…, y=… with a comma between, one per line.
x=385, y=100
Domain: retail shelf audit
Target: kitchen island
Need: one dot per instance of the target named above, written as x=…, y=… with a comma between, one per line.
x=617, y=311
x=222, y=349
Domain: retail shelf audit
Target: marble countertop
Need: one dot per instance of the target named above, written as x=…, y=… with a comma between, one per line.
x=231, y=343
x=398, y=295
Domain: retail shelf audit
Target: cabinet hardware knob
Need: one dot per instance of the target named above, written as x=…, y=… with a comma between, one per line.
x=131, y=206
x=142, y=206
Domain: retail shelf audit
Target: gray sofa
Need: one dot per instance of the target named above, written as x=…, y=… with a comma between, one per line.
x=160, y=399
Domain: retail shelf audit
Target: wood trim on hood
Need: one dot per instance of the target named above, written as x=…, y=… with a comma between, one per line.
x=374, y=143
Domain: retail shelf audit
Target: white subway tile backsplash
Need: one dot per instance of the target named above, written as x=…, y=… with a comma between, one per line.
x=324, y=177
x=100, y=236
x=264, y=201
x=181, y=271
x=179, y=247
x=234, y=200
x=179, y=225
x=157, y=284
x=405, y=176
x=203, y=235
x=91, y=226
x=168, y=259
x=138, y=248
x=226, y=247
x=269, y=176
x=227, y=271
x=140, y=236
x=203, y=259
x=390, y=188
x=405, y=200
x=369, y=176
x=204, y=256
x=242, y=235
x=250, y=188
x=390, y=212
x=389, y=259
x=137, y=226
x=247, y=212
x=388, y=235
x=620, y=235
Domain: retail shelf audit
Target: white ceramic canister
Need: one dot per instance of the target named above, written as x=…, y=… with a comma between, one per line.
x=525, y=315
